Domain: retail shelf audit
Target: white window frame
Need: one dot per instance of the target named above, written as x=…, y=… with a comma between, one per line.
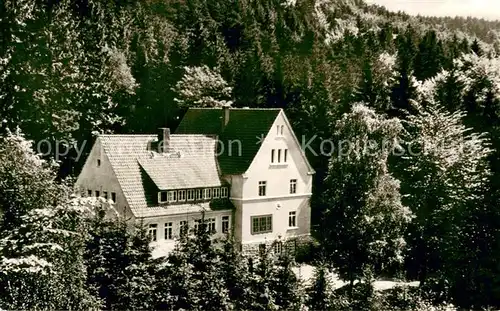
x=264, y=224
x=159, y=196
x=197, y=223
x=262, y=186
x=215, y=193
x=207, y=193
x=198, y=194
x=169, y=231
x=292, y=219
x=211, y=224
x=190, y=195
x=181, y=195
x=172, y=196
x=223, y=192
x=153, y=232
x=225, y=220
x=293, y=186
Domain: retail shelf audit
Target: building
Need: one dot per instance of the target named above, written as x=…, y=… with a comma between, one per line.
x=243, y=167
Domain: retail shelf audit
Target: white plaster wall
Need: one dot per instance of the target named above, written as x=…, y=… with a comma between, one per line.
x=278, y=178
x=102, y=178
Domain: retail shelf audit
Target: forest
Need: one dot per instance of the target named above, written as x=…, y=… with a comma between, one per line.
x=424, y=207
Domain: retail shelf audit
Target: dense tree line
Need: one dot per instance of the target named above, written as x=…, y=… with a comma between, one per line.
x=422, y=206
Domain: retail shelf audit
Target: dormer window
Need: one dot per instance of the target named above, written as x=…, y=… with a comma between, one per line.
x=190, y=195
x=181, y=195
x=172, y=196
x=216, y=193
x=223, y=192
x=162, y=197
x=207, y=193
x=199, y=194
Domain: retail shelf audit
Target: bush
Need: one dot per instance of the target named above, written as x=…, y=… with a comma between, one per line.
x=307, y=252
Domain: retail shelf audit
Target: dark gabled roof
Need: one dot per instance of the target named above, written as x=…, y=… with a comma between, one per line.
x=239, y=140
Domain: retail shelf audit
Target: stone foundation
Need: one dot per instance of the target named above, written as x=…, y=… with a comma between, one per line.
x=275, y=247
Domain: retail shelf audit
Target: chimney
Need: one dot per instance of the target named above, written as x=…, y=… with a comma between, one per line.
x=163, y=140
x=225, y=116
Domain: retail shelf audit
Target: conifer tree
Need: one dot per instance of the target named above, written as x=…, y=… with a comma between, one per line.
x=427, y=61
x=262, y=294
x=285, y=284
x=403, y=90
x=320, y=292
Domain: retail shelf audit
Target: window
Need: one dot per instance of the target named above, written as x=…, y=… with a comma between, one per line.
x=225, y=224
x=89, y=193
x=183, y=227
x=262, y=224
x=210, y=225
x=223, y=192
x=293, y=186
x=272, y=156
x=279, y=155
x=207, y=193
x=285, y=155
x=197, y=223
x=262, y=188
x=152, y=231
x=190, y=195
x=278, y=247
x=113, y=197
x=172, y=196
x=292, y=219
x=281, y=129
x=277, y=130
x=168, y=231
x=97, y=194
x=182, y=195
x=162, y=196
x=98, y=162
x=216, y=193
x=105, y=194
x=199, y=194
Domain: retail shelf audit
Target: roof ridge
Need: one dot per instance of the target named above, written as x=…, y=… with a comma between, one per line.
x=130, y=135
x=235, y=108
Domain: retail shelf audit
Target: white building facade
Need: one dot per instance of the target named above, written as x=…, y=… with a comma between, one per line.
x=243, y=169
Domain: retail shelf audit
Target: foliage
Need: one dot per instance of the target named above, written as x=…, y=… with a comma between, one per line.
x=26, y=181
x=202, y=87
x=44, y=256
x=366, y=227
